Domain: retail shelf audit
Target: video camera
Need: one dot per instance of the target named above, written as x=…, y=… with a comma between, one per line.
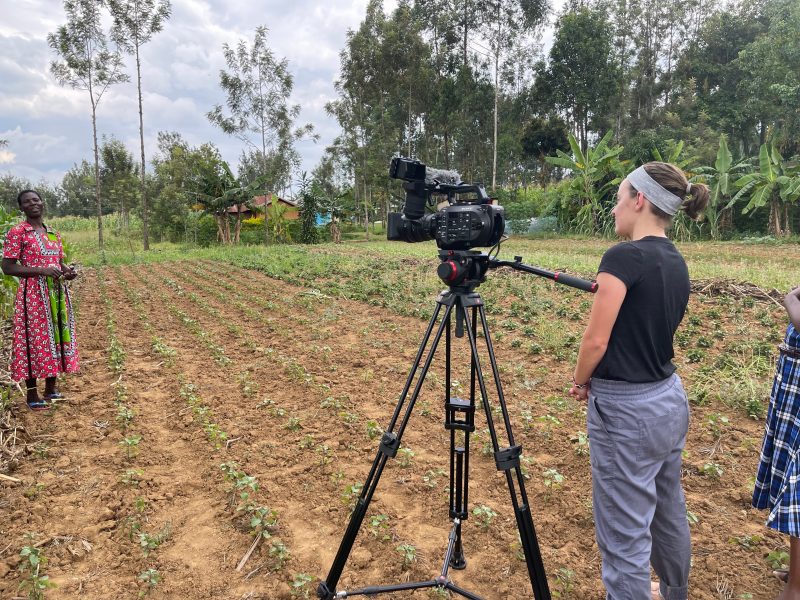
x=468, y=220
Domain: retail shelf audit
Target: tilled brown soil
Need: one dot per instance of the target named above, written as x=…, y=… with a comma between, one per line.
x=299, y=382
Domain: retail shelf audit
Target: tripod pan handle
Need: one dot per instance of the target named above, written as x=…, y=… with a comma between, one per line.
x=576, y=282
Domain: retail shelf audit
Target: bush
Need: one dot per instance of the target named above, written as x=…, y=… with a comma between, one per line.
x=206, y=231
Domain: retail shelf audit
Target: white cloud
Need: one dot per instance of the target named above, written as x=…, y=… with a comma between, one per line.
x=49, y=126
x=6, y=157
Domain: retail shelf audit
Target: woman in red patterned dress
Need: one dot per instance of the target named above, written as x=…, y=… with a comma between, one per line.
x=44, y=323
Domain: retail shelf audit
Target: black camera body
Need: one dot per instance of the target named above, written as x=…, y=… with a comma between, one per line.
x=460, y=225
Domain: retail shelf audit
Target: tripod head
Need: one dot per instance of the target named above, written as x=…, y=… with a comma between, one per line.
x=465, y=270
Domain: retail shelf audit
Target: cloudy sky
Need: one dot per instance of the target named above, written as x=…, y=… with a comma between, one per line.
x=48, y=127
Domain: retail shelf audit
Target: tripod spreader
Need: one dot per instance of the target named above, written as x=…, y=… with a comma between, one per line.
x=558, y=277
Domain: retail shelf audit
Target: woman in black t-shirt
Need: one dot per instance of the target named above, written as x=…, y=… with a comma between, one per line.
x=637, y=415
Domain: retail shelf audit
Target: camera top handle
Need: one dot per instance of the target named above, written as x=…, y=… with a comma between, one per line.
x=570, y=280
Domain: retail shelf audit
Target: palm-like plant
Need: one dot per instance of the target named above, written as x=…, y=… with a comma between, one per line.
x=776, y=183
x=595, y=173
x=720, y=180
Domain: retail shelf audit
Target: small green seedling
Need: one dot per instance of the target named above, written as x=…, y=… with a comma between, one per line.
x=404, y=457
x=409, y=554
x=31, y=567
x=373, y=431
x=379, y=527
x=300, y=587
x=262, y=519
x=131, y=477
x=778, y=559
x=280, y=553
x=712, y=470
x=484, y=515
x=148, y=542
x=151, y=578
x=131, y=445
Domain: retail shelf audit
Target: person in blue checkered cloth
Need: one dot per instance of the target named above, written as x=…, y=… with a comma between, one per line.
x=777, y=486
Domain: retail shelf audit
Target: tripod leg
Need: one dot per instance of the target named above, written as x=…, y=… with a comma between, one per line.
x=390, y=443
x=507, y=460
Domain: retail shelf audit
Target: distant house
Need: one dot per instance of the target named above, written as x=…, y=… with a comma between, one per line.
x=292, y=211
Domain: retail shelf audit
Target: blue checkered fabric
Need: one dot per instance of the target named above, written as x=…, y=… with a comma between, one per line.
x=777, y=486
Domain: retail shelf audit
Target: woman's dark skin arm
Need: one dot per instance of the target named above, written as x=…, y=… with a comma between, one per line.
x=12, y=267
x=792, y=304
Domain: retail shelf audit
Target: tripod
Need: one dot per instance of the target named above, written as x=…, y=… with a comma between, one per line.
x=463, y=271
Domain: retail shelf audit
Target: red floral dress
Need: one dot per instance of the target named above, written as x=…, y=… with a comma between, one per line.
x=42, y=347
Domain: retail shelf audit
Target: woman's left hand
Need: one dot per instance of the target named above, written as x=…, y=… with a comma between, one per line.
x=70, y=273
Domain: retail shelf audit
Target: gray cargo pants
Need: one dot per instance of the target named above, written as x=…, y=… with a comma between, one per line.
x=636, y=434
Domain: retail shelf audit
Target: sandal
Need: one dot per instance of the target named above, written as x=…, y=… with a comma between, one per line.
x=54, y=396
x=782, y=574
x=38, y=405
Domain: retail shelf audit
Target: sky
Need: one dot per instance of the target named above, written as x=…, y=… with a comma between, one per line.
x=48, y=127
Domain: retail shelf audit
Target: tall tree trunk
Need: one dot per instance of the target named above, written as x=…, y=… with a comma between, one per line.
x=496, y=97
x=466, y=19
x=409, y=119
x=97, y=175
x=145, y=207
x=366, y=211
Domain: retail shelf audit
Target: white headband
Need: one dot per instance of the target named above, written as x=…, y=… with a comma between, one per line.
x=654, y=192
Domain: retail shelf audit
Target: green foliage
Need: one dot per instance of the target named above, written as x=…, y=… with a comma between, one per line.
x=8, y=284
x=151, y=578
x=409, y=554
x=32, y=564
x=308, y=212
x=776, y=182
x=596, y=174
x=778, y=559
x=149, y=542
x=300, y=585
x=484, y=515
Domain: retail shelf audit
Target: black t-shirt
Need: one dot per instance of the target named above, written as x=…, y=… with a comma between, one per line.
x=640, y=348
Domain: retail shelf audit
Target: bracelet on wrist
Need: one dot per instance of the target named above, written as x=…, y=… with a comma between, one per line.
x=580, y=386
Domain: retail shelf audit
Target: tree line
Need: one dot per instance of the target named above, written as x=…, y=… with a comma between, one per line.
x=463, y=84
x=459, y=84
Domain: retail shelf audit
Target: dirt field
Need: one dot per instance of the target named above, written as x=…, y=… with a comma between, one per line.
x=220, y=365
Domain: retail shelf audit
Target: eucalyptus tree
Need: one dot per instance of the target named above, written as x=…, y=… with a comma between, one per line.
x=257, y=85
x=172, y=174
x=580, y=81
x=508, y=23
x=135, y=22
x=541, y=138
x=86, y=63
x=118, y=177
x=361, y=103
x=710, y=72
x=77, y=187
x=772, y=85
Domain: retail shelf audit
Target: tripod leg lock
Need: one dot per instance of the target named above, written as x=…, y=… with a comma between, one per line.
x=390, y=444
x=507, y=458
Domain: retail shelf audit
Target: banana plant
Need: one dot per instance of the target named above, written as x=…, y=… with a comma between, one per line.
x=594, y=174
x=720, y=180
x=776, y=183
x=674, y=156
